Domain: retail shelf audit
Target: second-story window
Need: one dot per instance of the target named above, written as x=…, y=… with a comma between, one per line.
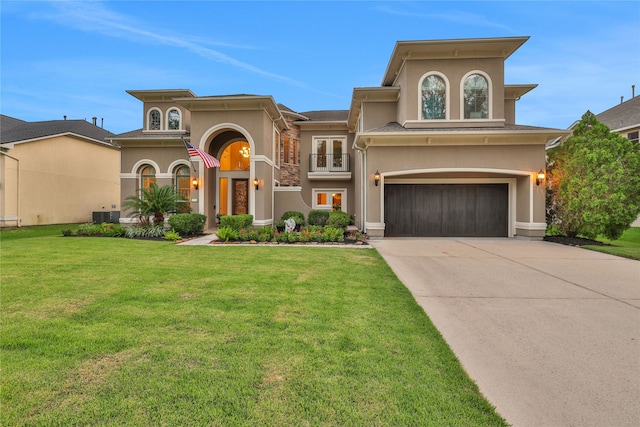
x=329, y=155
x=154, y=120
x=434, y=98
x=173, y=117
x=476, y=97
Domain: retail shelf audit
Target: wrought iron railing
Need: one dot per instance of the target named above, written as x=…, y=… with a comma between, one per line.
x=329, y=162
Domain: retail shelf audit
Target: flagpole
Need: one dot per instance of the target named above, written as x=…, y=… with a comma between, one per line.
x=193, y=166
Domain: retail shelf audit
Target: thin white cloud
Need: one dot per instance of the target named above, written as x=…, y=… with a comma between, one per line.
x=95, y=17
x=458, y=17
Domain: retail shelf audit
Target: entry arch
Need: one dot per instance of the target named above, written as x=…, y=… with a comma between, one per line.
x=205, y=204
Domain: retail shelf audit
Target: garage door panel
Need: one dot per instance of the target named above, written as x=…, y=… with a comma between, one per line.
x=455, y=210
x=427, y=210
x=396, y=197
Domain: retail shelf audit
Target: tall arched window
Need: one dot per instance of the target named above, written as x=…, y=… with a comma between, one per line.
x=434, y=98
x=182, y=180
x=154, y=120
x=173, y=118
x=147, y=176
x=476, y=97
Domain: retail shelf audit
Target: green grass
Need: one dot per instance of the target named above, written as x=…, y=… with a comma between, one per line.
x=117, y=332
x=628, y=245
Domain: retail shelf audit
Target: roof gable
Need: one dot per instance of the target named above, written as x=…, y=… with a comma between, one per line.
x=28, y=131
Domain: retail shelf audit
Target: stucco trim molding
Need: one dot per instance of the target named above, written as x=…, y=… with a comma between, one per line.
x=263, y=222
x=536, y=226
x=291, y=189
x=374, y=225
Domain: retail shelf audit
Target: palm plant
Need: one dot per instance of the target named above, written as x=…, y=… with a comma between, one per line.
x=156, y=201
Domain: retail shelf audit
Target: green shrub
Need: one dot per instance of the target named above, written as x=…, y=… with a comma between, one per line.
x=339, y=219
x=188, y=224
x=318, y=217
x=236, y=222
x=297, y=216
x=149, y=231
x=227, y=233
x=172, y=235
x=332, y=234
x=67, y=232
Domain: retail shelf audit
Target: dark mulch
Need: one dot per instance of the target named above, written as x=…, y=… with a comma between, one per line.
x=573, y=241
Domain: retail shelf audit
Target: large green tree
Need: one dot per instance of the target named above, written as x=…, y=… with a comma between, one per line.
x=594, y=181
x=156, y=201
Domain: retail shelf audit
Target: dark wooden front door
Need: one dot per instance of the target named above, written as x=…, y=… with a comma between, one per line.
x=446, y=210
x=240, y=196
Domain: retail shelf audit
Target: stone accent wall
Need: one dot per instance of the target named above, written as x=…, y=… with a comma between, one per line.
x=290, y=161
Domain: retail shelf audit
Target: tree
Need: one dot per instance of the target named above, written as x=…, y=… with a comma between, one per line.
x=156, y=201
x=593, y=182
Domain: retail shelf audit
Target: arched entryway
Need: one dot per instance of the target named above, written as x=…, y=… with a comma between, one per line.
x=228, y=189
x=233, y=178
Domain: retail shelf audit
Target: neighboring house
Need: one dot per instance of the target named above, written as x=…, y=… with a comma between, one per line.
x=434, y=151
x=56, y=172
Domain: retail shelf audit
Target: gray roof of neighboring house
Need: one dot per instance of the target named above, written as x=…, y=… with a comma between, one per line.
x=622, y=115
x=17, y=130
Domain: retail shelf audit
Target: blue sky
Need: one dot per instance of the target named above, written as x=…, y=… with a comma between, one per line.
x=78, y=58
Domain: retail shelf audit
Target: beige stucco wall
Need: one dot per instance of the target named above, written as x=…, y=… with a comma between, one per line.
x=377, y=114
x=306, y=149
x=62, y=180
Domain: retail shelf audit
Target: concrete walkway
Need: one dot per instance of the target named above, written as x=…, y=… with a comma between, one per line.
x=550, y=333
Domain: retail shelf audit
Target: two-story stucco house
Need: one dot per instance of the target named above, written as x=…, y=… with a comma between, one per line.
x=434, y=151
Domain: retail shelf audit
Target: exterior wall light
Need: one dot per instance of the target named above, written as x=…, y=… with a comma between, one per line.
x=255, y=183
x=376, y=178
x=540, y=177
x=194, y=182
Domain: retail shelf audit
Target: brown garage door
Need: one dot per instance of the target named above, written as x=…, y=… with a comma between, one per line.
x=452, y=210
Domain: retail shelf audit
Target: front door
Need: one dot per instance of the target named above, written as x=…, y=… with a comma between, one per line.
x=240, y=196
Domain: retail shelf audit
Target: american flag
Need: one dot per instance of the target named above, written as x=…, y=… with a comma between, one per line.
x=208, y=159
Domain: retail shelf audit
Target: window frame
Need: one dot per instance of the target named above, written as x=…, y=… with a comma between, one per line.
x=329, y=192
x=168, y=119
x=149, y=122
x=329, y=159
x=176, y=179
x=489, y=95
x=142, y=177
x=447, y=112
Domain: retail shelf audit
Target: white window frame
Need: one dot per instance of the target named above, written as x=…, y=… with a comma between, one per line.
x=179, y=117
x=447, y=112
x=330, y=192
x=329, y=166
x=149, y=119
x=489, y=94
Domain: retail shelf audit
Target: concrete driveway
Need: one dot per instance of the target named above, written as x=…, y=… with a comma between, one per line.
x=550, y=333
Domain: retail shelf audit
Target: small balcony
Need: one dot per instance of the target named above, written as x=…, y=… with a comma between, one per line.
x=329, y=166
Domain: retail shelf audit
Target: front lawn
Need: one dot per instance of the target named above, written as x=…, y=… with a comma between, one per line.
x=107, y=331
x=628, y=245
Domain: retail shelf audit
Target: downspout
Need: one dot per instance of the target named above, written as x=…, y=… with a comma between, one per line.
x=18, y=220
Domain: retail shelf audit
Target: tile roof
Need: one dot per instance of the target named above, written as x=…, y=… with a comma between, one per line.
x=397, y=127
x=622, y=115
x=19, y=130
x=138, y=133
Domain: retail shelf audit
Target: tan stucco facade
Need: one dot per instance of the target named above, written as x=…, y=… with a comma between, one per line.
x=383, y=131
x=57, y=180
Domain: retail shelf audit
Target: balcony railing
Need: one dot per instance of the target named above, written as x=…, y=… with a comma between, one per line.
x=329, y=163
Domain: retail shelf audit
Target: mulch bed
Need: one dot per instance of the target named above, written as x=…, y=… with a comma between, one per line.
x=573, y=241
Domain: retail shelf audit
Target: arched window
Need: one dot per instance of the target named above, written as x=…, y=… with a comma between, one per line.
x=434, y=98
x=147, y=176
x=476, y=97
x=173, y=118
x=154, y=120
x=182, y=180
x=236, y=157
